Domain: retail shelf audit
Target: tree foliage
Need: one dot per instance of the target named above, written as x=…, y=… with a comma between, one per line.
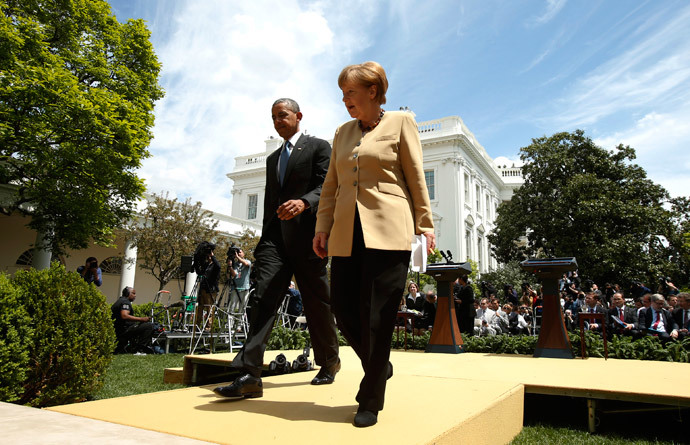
x=581, y=200
x=77, y=92
x=167, y=230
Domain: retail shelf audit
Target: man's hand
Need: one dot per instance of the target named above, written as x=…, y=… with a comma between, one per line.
x=319, y=244
x=674, y=334
x=290, y=209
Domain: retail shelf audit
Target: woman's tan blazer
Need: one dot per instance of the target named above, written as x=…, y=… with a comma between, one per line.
x=382, y=175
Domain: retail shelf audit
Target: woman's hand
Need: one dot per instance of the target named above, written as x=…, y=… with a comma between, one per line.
x=430, y=242
x=319, y=244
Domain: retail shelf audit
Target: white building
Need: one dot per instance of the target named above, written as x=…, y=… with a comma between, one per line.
x=465, y=188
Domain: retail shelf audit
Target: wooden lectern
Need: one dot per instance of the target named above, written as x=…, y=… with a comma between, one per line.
x=553, y=339
x=445, y=336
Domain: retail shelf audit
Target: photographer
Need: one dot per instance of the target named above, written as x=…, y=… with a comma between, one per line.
x=667, y=288
x=240, y=268
x=207, y=268
x=128, y=328
x=90, y=271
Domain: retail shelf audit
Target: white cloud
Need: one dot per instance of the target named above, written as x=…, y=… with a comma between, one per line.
x=655, y=70
x=224, y=63
x=553, y=7
x=660, y=141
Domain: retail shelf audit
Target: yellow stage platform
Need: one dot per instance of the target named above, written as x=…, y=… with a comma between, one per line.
x=432, y=398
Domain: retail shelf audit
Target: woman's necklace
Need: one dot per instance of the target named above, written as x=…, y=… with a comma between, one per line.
x=370, y=127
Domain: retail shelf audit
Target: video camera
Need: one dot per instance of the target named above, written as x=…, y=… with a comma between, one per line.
x=302, y=362
x=233, y=252
x=280, y=365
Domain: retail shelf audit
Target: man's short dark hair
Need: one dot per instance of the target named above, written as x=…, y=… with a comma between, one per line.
x=290, y=103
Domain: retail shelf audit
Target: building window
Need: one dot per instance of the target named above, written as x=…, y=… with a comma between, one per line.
x=487, y=208
x=480, y=252
x=251, y=206
x=112, y=265
x=467, y=189
x=27, y=257
x=430, y=184
x=468, y=243
x=477, y=198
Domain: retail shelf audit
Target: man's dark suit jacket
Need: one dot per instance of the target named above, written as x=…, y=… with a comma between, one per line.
x=647, y=319
x=285, y=248
x=629, y=316
x=678, y=318
x=598, y=309
x=304, y=177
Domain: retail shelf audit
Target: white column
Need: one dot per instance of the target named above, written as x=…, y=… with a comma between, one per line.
x=41, y=253
x=129, y=266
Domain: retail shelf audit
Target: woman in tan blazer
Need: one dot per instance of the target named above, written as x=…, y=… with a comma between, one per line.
x=373, y=201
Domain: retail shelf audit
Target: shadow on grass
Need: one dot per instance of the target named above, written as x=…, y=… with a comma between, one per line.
x=564, y=420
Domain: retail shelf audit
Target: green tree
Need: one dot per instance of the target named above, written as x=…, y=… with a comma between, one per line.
x=508, y=273
x=77, y=92
x=167, y=230
x=581, y=200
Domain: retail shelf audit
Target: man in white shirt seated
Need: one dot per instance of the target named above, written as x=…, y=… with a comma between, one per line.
x=482, y=326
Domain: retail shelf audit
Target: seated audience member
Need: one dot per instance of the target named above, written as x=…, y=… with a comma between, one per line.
x=500, y=319
x=569, y=320
x=481, y=324
x=645, y=302
x=294, y=307
x=682, y=314
x=592, y=306
x=672, y=302
x=657, y=321
x=626, y=314
x=526, y=314
x=90, y=271
x=137, y=331
x=516, y=322
x=426, y=321
x=414, y=299
x=578, y=302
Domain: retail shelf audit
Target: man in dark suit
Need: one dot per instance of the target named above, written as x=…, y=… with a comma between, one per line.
x=657, y=321
x=682, y=314
x=592, y=306
x=464, y=305
x=294, y=176
x=625, y=313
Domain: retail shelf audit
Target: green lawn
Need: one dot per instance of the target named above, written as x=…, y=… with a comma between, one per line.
x=548, y=420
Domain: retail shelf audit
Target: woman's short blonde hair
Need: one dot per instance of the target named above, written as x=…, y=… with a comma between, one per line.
x=366, y=74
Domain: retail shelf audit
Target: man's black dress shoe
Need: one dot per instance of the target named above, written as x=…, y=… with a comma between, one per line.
x=244, y=386
x=326, y=375
x=364, y=419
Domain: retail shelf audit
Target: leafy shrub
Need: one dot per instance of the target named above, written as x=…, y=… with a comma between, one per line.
x=15, y=327
x=622, y=347
x=283, y=339
x=72, y=340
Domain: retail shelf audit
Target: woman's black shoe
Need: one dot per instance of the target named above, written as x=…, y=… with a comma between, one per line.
x=364, y=419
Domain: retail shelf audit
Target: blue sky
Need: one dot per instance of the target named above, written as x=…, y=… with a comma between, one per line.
x=512, y=70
